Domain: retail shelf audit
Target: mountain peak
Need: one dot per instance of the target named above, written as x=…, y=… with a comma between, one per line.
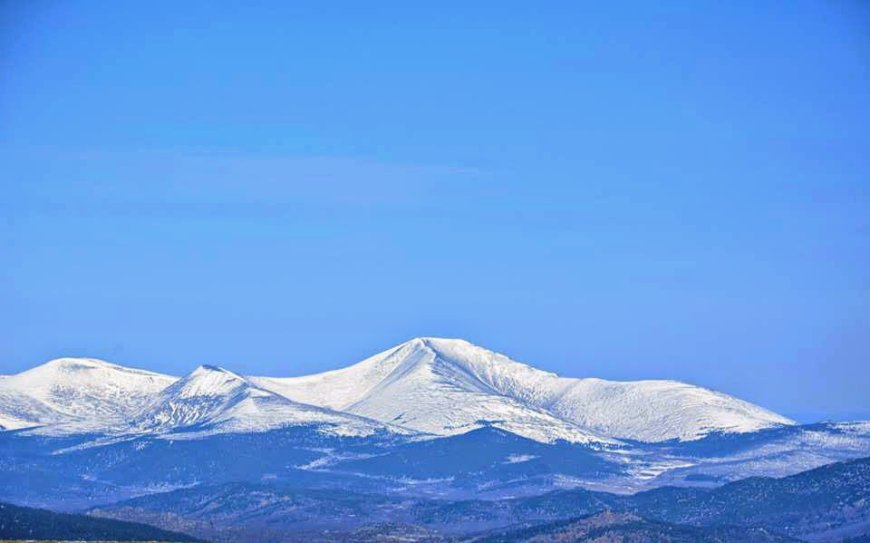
x=207, y=369
x=214, y=399
x=74, y=363
x=208, y=380
x=64, y=368
x=68, y=372
x=458, y=352
x=448, y=386
x=438, y=386
x=437, y=343
x=82, y=392
x=441, y=340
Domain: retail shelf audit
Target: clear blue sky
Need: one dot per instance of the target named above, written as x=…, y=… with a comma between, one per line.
x=600, y=189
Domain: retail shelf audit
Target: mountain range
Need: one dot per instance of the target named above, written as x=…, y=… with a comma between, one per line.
x=419, y=441
x=427, y=386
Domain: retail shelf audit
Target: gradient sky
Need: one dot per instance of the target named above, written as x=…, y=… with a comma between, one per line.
x=598, y=189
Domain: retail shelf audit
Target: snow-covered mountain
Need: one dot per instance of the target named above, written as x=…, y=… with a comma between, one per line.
x=449, y=386
x=416, y=386
x=430, y=416
x=427, y=385
x=215, y=400
x=82, y=394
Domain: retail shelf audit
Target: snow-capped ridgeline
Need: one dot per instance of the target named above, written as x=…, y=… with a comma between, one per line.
x=447, y=386
x=428, y=385
x=416, y=386
x=81, y=393
x=214, y=400
x=656, y=410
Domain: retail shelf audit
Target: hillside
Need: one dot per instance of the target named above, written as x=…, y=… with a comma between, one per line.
x=28, y=523
x=828, y=503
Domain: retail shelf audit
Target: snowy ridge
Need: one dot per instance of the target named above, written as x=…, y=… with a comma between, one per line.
x=216, y=400
x=415, y=386
x=448, y=386
x=429, y=386
x=657, y=410
x=82, y=393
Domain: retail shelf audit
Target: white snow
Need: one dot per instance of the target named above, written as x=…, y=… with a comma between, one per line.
x=655, y=410
x=83, y=393
x=519, y=458
x=427, y=385
x=449, y=386
x=417, y=386
x=216, y=400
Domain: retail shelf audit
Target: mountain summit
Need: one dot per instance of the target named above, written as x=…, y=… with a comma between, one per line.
x=435, y=386
x=212, y=399
x=449, y=386
x=82, y=393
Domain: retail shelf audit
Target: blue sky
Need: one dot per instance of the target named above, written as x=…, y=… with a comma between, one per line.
x=623, y=190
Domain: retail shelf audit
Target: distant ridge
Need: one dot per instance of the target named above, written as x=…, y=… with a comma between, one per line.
x=822, y=504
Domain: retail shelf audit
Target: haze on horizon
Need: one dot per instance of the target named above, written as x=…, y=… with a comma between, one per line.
x=625, y=192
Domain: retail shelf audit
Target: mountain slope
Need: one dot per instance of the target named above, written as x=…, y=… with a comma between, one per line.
x=484, y=459
x=428, y=385
x=28, y=523
x=215, y=400
x=417, y=386
x=447, y=386
x=627, y=528
x=825, y=504
x=77, y=393
x=832, y=499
